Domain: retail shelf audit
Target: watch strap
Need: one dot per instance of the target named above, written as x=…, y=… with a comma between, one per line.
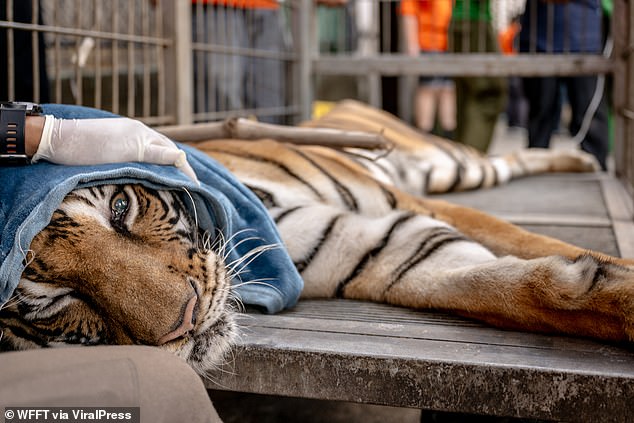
x=12, y=134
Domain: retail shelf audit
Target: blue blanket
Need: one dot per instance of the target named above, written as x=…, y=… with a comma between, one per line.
x=30, y=194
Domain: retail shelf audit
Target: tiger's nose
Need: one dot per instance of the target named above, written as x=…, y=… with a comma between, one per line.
x=186, y=324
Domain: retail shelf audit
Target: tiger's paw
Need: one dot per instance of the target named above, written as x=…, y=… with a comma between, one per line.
x=574, y=161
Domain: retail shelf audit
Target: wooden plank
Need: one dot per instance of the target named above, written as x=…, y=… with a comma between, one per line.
x=560, y=195
x=463, y=65
x=617, y=200
x=620, y=209
x=555, y=219
x=428, y=364
x=594, y=238
x=624, y=232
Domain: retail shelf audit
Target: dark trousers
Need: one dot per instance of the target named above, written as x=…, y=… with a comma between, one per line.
x=543, y=95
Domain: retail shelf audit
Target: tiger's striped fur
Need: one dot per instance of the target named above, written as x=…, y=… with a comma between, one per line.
x=425, y=164
x=105, y=273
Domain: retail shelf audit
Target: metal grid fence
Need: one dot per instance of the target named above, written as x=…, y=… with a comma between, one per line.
x=173, y=62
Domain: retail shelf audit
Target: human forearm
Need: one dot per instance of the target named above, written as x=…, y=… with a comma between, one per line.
x=33, y=134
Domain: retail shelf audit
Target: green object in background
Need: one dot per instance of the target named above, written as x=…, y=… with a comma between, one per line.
x=334, y=35
x=473, y=10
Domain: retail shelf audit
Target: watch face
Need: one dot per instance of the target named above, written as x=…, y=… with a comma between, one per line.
x=31, y=108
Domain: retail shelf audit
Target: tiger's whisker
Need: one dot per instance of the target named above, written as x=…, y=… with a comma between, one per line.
x=259, y=283
x=195, y=214
x=237, y=244
x=251, y=255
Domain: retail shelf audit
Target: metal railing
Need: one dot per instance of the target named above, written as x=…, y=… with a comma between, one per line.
x=167, y=62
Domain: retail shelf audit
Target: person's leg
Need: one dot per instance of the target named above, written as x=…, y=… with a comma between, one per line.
x=461, y=115
x=542, y=95
x=516, y=109
x=479, y=100
x=447, y=108
x=484, y=100
x=426, y=107
x=162, y=385
x=581, y=91
x=488, y=96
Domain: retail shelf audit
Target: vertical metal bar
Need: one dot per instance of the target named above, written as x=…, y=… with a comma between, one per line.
x=220, y=60
x=296, y=37
x=629, y=75
x=177, y=22
x=201, y=57
x=98, y=7
x=208, y=77
x=306, y=41
x=466, y=33
x=618, y=28
x=115, y=57
x=35, y=51
x=385, y=29
x=131, y=94
x=249, y=15
x=58, y=56
x=482, y=27
x=79, y=95
x=160, y=60
x=623, y=30
x=146, y=60
x=374, y=79
x=10, y=54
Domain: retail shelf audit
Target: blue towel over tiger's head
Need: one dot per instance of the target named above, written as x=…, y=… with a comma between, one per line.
x=30, y=194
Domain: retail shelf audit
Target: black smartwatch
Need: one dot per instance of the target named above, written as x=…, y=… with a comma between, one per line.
x=12, y=125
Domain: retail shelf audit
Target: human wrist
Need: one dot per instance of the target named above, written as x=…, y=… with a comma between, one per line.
x=33, y=134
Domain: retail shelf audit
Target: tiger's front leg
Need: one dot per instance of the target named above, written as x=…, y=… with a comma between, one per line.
x=411, y=260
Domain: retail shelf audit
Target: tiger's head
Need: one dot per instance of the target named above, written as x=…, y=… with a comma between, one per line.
x=123, y=264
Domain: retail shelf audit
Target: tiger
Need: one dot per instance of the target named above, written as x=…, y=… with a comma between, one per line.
x=127, y=264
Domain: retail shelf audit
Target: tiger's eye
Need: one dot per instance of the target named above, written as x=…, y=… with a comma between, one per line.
x=119, y=205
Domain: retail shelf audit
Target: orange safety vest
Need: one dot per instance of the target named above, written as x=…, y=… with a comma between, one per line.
x=433, y=18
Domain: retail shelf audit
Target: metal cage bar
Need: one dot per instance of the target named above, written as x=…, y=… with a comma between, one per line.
x=162, y=64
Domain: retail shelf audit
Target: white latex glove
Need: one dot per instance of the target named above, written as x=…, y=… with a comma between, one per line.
x=111, y=140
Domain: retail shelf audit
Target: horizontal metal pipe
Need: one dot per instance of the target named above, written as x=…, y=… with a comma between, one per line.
x=87, y=33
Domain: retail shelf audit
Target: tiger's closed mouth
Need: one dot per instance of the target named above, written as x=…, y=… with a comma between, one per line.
x=186, y=325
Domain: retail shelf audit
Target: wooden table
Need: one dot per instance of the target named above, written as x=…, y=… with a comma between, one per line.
x=371, y=353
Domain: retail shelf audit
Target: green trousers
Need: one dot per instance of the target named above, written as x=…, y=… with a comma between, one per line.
x=479, y=100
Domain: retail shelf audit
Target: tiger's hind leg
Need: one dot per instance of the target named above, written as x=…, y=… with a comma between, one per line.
x=582, y=297
x=411, y=260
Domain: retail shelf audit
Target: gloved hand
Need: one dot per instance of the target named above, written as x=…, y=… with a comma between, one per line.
x=111, y=140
